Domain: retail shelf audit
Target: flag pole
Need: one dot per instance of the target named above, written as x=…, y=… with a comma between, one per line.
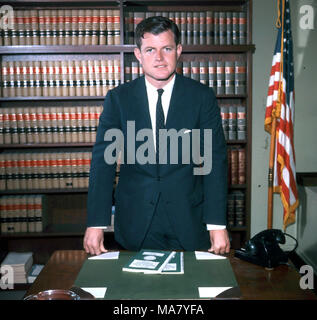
x=275, y=114
x=270, y=176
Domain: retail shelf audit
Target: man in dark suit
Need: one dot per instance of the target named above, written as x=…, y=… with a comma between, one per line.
x=159, y=205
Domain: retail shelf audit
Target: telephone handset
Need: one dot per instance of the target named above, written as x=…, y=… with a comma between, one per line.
x=263, y=249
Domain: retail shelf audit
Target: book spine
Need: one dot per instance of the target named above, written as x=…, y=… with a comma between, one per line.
x=3, y=184
x=44, y=77
x=212, y=75
x=75, y=27
x=229, y=77
x=95, y=20
x=68, y=170
x=203, y=71
x=110, y=27
x=40, y=124
x=202, y=27
x=47, y=125
x=195, y=70
x=216, y=28
x=97, y=77
x=68, y=27
x=220, y=78
x=235, y=28
x=6, y=126
x=1, y=125
x=242, y=28
x=34, y=126
x=229, y=27
x=81, y=26
x=67, y=124
x=232, y=123
x=34, y=19
x=196, y=24
x=240, y=77
x=20, y=26
x=209, y=27
x=48, y=27
x=183, y=28
x=60, y=125
x=190, y=27
x=91, y=78
x=61, y=27
x=239, y=199
x=234, y=166
x=222, y=28
x=54, y=28
x=225, y=121
x=241, y=122
x=88, y=27
x=103, y=27
x=80, y=125
x=241, y=168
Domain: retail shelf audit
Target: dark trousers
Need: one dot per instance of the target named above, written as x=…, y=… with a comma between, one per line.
x=160, y=235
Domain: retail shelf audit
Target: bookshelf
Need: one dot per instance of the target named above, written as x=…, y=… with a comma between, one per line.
x=31, y=88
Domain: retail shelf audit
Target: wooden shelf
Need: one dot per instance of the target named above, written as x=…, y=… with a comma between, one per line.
x=126, y=48
x=45, y=191
x=47, y=145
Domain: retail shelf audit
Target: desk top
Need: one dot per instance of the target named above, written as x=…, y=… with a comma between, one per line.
x=255, y=282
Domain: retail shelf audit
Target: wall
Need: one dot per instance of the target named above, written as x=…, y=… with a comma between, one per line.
x=264, y=37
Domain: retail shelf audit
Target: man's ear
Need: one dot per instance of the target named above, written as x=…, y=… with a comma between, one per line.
x=137, y=54
x=179, y=50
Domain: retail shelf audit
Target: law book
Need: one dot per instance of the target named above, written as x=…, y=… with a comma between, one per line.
x=48, y=27
x=20, y=26
x=210, y=27
x=97, y=78
x=241, y=123
x=242, y=28
x=149, y=261
x=61, y=35
x=235, y=28
x=42, y=27
x=86, y=123
x=116, y=26
x=40, y=124
x=79, y=125
x=224, y=112
x=229, y=27
x=87, y=27
x=68, y=27
x=37, y=76
x=95, y=20
x=186, y=69
x=202, y=27
x=175, y=265
x=234, y=166
x=60, y=125
x=30, y=214
x=3, y=183
x=34, y=125
x=54, y=28
x=203, y=72
x=196, y=30
x=229, y=77
x=212, y=75
x=241, y=166
x=21, y=263
x=102, y=27
x=81, y=27
x=239, y=198
x=45, y=78
x=216, y=28
x=74, y=27
x=110, y=27
x=27, y=27
x=240, y=77
x=183, y=28
x=189, y=27
x=220, y=77
x=222, y=28
x=232, y=123
x=195, y=70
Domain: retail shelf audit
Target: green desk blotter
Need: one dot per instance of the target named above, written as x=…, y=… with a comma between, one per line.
x=130, y=285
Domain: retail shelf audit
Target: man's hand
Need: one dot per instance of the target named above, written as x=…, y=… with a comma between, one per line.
x=93, y=241
x=220, y=243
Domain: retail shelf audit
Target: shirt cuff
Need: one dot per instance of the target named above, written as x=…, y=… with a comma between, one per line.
x=100, y=227
x=215, y=227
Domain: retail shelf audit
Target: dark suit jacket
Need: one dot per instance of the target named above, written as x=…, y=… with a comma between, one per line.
x=191, y=201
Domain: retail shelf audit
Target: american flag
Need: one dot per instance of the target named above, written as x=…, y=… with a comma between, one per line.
x=280, y=104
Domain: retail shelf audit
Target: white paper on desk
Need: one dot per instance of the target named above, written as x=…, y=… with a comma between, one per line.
x=211, y=292
x=111, y=255
x=97, y=292
x=203, y=255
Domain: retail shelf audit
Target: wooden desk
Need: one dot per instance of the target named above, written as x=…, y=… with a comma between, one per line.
x=254, y=281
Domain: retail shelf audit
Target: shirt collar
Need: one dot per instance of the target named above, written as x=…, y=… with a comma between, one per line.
x=167, y=88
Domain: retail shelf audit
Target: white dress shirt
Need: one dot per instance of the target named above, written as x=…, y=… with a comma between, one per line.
x=152, y=95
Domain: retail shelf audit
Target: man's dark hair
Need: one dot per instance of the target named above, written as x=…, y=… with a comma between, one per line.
x=155, y=25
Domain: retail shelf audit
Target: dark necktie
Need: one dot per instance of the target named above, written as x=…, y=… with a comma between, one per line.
x=159, y=120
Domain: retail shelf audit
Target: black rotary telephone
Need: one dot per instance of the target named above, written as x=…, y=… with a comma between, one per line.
x=264, y=250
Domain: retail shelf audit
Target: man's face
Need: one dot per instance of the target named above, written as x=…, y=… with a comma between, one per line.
x=158, y=56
